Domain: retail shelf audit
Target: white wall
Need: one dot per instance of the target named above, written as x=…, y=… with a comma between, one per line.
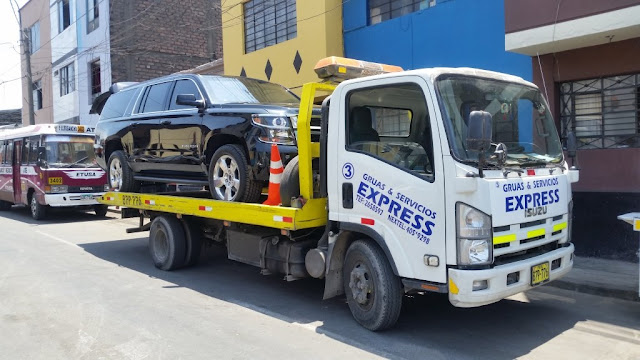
x=62, y=44
x=92, y=46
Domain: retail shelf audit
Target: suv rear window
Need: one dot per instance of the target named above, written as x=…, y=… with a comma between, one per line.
x=116, y=105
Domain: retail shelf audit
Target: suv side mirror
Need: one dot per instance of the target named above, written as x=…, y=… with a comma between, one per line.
x=190, y=100
x=479, y=132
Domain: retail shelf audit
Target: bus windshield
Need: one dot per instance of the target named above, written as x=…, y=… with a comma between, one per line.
x=69, y=151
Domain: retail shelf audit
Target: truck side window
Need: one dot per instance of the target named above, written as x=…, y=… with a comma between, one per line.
x=391, y=123
x=184, y=87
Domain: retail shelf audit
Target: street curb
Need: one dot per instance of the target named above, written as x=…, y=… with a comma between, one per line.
x=594, y=290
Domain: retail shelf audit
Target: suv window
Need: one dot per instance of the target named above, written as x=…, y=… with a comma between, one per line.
x=156, y=97
x=116, y=105
x=184, y=87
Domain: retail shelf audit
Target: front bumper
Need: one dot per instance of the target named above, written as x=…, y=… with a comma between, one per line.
x=72, y=199
x=497, y=279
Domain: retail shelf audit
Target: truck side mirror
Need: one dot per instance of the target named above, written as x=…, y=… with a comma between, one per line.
x=190, y=100
x=572, y=144
x=479, y=132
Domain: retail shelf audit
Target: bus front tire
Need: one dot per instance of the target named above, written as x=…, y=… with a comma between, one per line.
x=374, y=293
x=5, y=205
x=38, y=211
x=100, y=210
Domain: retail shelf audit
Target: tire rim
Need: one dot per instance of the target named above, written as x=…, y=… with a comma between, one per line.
x=361, y=285
x=161, y=246
x=226, y=178
x=115, y=174
x=34, y=205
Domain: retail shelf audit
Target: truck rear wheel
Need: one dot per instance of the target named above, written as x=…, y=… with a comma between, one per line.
x=167, y=243
x=193, y=240
x=374, y=293
x=38, y=211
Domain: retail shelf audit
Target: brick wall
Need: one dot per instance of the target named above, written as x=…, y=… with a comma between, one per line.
x=151, y=38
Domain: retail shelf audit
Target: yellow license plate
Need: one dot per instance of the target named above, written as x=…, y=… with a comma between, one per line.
x=55, y=181
x=540, y=273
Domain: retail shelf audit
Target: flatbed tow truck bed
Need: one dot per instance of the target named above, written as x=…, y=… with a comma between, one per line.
x=312, y=214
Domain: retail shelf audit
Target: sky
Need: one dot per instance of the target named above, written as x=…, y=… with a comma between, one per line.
x=10, y=84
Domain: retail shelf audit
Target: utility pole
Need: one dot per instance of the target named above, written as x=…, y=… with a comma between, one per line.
x=26, y=44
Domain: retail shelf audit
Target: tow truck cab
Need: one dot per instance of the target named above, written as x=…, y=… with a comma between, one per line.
x=404, y=169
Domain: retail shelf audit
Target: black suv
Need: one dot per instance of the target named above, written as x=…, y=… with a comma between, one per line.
x=206, y=130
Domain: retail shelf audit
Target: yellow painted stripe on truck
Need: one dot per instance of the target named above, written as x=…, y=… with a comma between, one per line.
x=558, y=227
x=504, y=239
x=535, y=233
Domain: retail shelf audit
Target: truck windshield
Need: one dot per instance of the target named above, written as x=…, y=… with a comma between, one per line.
x=230, y=90
x=69, y=151
x=520, y=119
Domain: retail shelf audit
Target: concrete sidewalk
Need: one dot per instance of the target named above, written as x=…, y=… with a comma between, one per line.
x=612, y=278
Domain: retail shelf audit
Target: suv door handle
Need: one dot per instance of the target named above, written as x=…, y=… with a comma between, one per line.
x=165, y=122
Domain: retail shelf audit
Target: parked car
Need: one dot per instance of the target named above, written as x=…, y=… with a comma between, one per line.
x=192, y=129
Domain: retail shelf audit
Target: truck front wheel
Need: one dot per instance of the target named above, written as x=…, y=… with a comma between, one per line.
x=374, y=293
x=167, y=243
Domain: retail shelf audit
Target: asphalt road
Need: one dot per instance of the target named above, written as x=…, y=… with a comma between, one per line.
x=78, y=287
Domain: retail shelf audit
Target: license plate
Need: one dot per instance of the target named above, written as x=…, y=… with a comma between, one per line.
x=540, y=273
x=55, y=181
x=87, y=196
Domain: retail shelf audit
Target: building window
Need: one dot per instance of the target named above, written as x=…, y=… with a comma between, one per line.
x=381, y=10
x=37, y=95
x=92, y=15
x=268, y=22
x=64, y=15
x=34, y=37
x=96, y=83
x=603, y=112
x=67, y=80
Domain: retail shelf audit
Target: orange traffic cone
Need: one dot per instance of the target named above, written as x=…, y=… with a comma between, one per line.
x=275, y=176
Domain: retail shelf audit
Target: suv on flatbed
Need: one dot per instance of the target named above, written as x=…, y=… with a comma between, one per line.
x=203, y=130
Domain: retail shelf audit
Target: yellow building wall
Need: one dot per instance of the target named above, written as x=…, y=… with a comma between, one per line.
x=319, y=34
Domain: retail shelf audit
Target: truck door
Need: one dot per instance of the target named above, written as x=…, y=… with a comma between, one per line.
x=388, y=171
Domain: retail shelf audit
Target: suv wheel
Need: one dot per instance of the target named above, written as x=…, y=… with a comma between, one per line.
x=120, y=174
x=229, y=176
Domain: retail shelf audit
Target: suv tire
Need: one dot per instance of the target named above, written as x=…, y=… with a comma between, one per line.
x=229, y=176
x=119, y=174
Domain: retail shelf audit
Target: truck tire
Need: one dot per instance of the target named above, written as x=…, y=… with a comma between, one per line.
x=38, y=211
x=374, y=293
x=119, y=174
x=5, y=205
x=100, y=210
x=229, y=176
x=193, y=239
x=290, y=183
x=167, y=243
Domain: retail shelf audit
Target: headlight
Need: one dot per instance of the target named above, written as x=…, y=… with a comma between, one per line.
x=474, y=234
x=275, y=129
x=58, y=189
x=106, y=187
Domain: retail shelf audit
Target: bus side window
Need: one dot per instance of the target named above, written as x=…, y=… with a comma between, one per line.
x=24, y=156
x=3, y=145
x=33, y=150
